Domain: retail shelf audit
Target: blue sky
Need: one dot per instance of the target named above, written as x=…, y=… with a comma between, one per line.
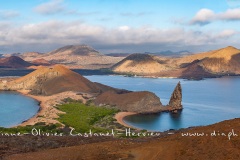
x=119, y=25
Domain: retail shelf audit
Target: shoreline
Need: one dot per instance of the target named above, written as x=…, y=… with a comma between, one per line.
x=121, y=115
x=47, y=113
x=46, y=104
x=34, y=119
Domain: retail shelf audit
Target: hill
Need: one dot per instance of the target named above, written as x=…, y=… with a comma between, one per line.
x=139, y=102
x=83, y=50
x=14, y=62
x=29, y=56
x=52, y=80
x=141, y=64
x=80, y=56
x=225, y=61
x=74, y=56
x=41, y=61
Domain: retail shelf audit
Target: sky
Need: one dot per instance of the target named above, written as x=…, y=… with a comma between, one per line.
x=119, y=26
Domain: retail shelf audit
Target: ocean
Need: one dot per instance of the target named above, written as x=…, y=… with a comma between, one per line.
x=205, y=102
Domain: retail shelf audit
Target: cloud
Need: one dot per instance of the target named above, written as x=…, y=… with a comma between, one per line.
x=51, y=7
x=123, y=28
x=58, y=6
x=206, y=16
x=203, y=17
x=230, y=15
x=7, y=14
x=227, y=33
x=49, y=35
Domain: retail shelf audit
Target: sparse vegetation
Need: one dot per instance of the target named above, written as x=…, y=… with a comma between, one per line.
x=79, y=116
x=83, y=118
x=27, y=129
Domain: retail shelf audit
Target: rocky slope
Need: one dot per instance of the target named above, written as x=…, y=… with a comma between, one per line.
x=80, y=56
x=52, y=80
x=41, y=61
x=28, y=56
x=140, y=102
x=140, y=64
x=14, y=62
x=82, y=50
x=225, y=61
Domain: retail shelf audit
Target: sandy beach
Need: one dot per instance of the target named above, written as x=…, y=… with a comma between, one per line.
x=119, y=117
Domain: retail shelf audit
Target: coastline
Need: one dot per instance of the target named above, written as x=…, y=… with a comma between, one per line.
x=42, y=107
x=120, y=116
x=47, y=112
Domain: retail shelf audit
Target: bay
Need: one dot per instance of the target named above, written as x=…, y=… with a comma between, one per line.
x=16, y=108
x=205, y=102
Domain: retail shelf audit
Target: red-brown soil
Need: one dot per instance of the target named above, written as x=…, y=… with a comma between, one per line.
x=169, y=147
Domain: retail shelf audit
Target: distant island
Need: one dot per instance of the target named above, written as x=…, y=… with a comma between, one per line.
x=222, y=62
x=216, y=63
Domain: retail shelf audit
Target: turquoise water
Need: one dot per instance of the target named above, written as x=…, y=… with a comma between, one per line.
x=205, y=102
x=16, y=108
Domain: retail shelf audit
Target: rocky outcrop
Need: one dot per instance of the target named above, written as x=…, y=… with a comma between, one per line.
x=175, y=102
x=139, y=102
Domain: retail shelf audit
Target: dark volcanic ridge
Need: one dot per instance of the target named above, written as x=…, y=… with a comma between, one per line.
x=14, y=62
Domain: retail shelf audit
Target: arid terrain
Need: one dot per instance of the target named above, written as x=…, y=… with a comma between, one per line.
x=73, y=56
x=218, y=141
x=215, y=63
x=51, y=84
